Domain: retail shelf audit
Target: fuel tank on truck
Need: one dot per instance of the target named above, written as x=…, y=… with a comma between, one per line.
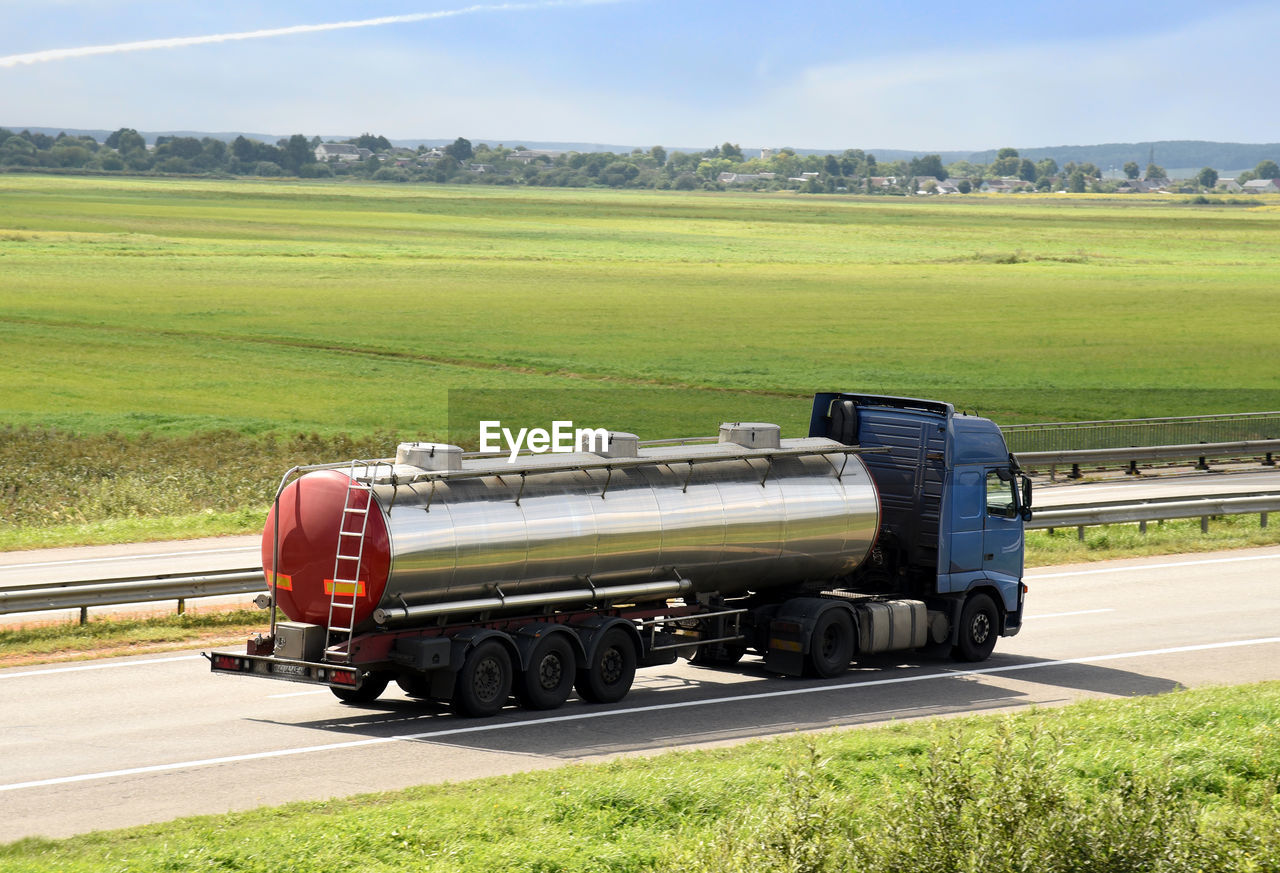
x=726, y=517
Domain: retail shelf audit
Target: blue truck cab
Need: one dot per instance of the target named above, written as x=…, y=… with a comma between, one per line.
x=953, y=506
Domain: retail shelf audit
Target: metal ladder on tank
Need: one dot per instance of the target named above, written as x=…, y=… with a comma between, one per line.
x=344, y=589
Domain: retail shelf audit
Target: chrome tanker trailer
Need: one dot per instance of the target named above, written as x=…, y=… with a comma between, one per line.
x=896, y=524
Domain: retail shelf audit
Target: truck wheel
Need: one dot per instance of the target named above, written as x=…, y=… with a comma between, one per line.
x=549, y=679
x=831, y=645
x=608, y=676
x=374, y=684
x=484, y=682
x=979, y=627
x=415, y=685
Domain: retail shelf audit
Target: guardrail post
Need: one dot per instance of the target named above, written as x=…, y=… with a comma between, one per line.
x=1262, y=519
x=1075, y=472
x=1133, y=468
x=1269, y=461
x=182, y=606
x=84, y=615
x=1204, y=524
x=1080, y=533
x=1142, y=527
x=1202, y=465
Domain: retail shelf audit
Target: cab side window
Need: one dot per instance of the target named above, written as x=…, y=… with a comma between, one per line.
x=1000, y=498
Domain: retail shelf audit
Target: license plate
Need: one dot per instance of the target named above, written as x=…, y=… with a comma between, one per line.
x=289, y=669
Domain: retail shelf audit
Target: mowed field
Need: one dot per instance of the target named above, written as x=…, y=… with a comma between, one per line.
x=166, y=306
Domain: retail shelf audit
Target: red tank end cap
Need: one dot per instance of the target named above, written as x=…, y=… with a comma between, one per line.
x=311, y=516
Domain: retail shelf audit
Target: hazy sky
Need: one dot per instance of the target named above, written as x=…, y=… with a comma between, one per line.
x=817, y=74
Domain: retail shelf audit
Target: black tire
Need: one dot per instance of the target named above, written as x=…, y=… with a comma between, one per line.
x=484, y=682
x=607, y=677
x=831, y=645
x=979, y=628
x=549, y=678
x=373, y=686
x=415, y=685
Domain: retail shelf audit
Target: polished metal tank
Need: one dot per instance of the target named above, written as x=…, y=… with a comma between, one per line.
x=556, y=528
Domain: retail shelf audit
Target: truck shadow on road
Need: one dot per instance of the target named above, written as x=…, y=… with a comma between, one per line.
x=681, y=705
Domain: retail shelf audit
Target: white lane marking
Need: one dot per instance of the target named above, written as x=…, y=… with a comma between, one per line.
x=1153, y=567
x=296, y=694
x=1065, y=614
x=72, y=561
x=628, y=711
x=96, y=665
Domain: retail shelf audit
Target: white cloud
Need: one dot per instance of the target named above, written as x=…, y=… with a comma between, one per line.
x=1194, y=82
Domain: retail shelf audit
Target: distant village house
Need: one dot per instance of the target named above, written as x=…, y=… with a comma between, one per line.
x=528, y=156
x=1262, y=186
x=1007, y=185
x=337, y=151
x=743, y=178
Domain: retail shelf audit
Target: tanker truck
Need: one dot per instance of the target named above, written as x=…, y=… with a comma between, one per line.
x=896, y=524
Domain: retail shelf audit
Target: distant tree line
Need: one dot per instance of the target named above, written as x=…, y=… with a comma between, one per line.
x=852, y=171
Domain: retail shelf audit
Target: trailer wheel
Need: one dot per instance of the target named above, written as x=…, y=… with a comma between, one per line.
x=373, y=686
x=831, y=644
x=484, y=682
x=979, y=627
x=607, y=677
x=549, y=678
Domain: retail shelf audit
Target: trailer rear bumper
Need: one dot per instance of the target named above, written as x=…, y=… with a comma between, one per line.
x=272, y=667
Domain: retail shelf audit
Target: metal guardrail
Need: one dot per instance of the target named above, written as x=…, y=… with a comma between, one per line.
x=145, y=589
x=131, y=589
x=1135, y=455
x=1155, y=510
x=1076, y=435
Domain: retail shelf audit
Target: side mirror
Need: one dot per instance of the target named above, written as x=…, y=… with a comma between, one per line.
x=1026, y=498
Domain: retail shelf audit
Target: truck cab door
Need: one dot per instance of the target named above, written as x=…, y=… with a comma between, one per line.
x=1002, y=526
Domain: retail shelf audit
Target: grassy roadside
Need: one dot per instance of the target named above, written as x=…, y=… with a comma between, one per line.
x=136, y=529
x=1179, y=782
x=125, y=635
x=1110, y=542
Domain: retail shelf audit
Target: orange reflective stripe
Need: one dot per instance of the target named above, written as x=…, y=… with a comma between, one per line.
x=349, y=589
x=283, y=582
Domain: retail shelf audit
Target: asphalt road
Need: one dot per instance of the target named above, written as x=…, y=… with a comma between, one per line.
x=119, y=742
x=1122, y=488
x=126, y=560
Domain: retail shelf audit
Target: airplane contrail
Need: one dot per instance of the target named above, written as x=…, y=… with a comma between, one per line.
x=180, y=41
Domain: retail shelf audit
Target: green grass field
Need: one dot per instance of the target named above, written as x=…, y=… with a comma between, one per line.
x=216, y=314
x=155, y=305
